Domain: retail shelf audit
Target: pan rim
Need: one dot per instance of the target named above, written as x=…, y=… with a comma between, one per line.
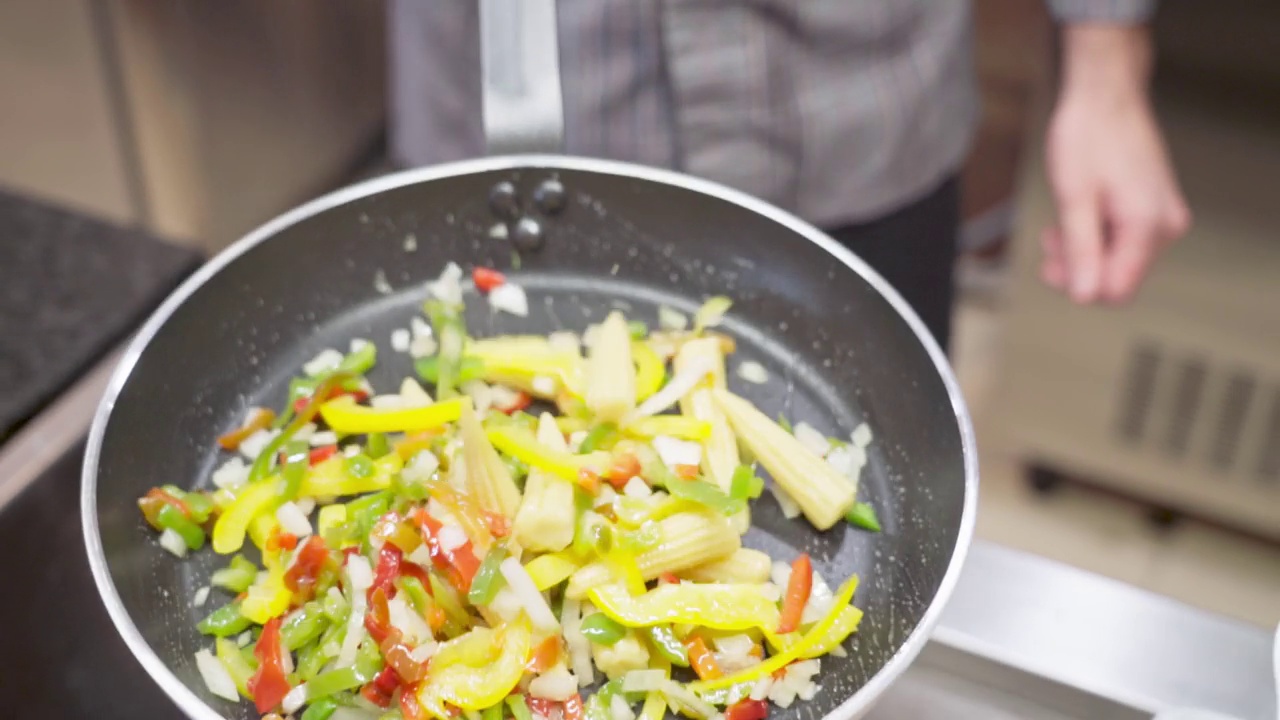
x=195, y=707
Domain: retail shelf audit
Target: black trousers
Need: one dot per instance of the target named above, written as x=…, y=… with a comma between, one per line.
x=914, y=248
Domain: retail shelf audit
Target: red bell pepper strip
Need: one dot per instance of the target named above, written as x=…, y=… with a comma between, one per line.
x=541, y=707
x=378, y=619
x=703, y=661
x=313, y=556
x=498, y=523
x=487, y=279
x=268, y=685
x=624, y=467
x=409, y=706
x=798, y=589
x=388, y=569
x=462, y=559
x=260, y=419
x=522, y=401
x=573, y=708
x=747, y=709
x=322, y=453
x=544, y=656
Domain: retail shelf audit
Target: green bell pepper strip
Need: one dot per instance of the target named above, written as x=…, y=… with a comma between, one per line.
x=262, y=464
x=519, y=709
x=746, y=485
x=365, y=511
x=864, y=516
x=171, y=518
x=297, y=459
x=304, y=626
x=702, y=493
x=360, y=466
x=447, y=598
x=600, y=437
x=602, y=630
x=368, y=660
x=237, y=667
x=321, y=709
x=311, y=660
x=665, y=642
x=428, y=368
x=200, y=504
x=488, y=579
x=450, y=330
x=236, y=577
x=493, y=712
x=225, y=621
x=377, y=445
x=334, y=681
x=598, y=705
x=335, y=607
x=638, y=329
x=418, y=596
x=359, y=361
x=411, y=490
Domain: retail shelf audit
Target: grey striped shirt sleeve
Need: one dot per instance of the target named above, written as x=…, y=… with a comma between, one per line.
x=1126, y=12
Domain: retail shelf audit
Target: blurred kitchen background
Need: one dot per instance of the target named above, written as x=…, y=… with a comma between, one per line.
x=1140, y=443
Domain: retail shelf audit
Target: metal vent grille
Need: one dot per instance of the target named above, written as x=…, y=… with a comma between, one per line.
x=1186, y=407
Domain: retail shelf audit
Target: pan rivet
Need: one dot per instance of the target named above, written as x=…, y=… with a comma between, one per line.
x=549, y=196
x=528, y=234
x=503, y=201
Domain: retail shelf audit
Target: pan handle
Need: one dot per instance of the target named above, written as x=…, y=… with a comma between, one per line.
x=520, y=70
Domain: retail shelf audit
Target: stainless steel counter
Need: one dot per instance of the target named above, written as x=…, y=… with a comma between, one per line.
x=1023, y=637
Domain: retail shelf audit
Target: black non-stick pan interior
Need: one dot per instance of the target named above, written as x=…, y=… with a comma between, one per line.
x=837, y=351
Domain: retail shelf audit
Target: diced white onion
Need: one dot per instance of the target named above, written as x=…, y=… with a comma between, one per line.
x=232, y=473
x=813, y=441
x=509, y=297
x=636, y=488
x=414, y=394
x=244, y=639
x=421, y=555
x=481, y=395
x=173, y=542
x=535, y=606
x=351, y=451
x=358, y=344
x=306, y=505
x=848, y=460
x=861, y=435
x=790, y=508
x=324, y=437
x=575, y=440
x=819, y=603
x=678, y=694
x=506, y=605
x=760, y=690
x=557, y=684
x=451, y=537
x=643, y=681
x=675, y=451
x=305, y=432
x=564, y=341
x=294, y=699
x=355, y=625
x=400, y=340
x=737, y=644
x=253, y=445
x=360, y=573
x=293, y=520
x=447, y=287
x=780, y=573
x=201, y=596
x=422, y=347
x=215, y=676
x=671, y=319
x=681, y=383
x=387, y=401
x=407, y=620
x=423, y=652
x=619, y=709
x=753, y=372
x=579, y=647
x=544, y=385
x=420, y=469
x=771, y=592
x=420, y=328
x=504, y=398
x=326, y=361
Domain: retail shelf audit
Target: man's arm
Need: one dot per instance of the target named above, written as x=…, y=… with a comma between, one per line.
x=1118, y=200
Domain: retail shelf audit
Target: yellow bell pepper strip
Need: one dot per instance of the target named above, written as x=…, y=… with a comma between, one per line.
x=228, y=653
x=846, y=623
x=344, y=416
x=552, y=569
x=261, y=528
x=719, y=606
x=330, y=517
x=267, y=598
x=647, y=428
x=332, y=477
x=233, y=523
x=475, y=687
x=808, y=641
x=650, y=370
x=523, y=445
x=520, y=360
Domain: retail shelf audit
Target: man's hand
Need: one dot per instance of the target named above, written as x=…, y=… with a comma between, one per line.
x=1118, y=200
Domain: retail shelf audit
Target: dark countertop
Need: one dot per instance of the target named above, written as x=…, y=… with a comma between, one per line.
x=71, y=288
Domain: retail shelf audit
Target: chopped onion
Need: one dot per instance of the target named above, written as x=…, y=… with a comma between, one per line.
x=324, y=437
x=861, y=435
x=447, y=287
x=556, y=684
x=813, y=441
x=575, y=440
x=504, y=398
x=509, y=297
x=355, y=625
x=481, y=395
x=387, y=401
x=506, y=604
x=675, y=451
x=423, y=652
x=215, y=676
x=251, y=446
x=421, y=467
x=422, y=347
x=306, y=505
x=760, y=690
x=578, y=645
x=421, y=555
x=173, y=542
x=681, y=383
x=819, y=603
x=684, y=698
x=738, y=644
x=201, y=596
x=305, y=432
x=619, y=709
x=400, y=340
x=360, y=573
x=848, y=460
x=544, y=385
x=780, y=573
x=451, y=537
x=351, y=451
x=358, y=344
x=636, y=488
x=643, y=681
x=790, y=508
x=326, y=361
x=771, y=592
x=232, y=473
x=753, y=372
x=670, y=319
x=293, y=520
x=564, y=341
x=413, y=393
x=244, y=638
x=420, y=328
x=294, y=699
x=711, y=312
x=407, y=621
x=535, y=606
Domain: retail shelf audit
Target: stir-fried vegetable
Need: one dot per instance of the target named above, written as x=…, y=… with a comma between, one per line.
x=476, y=555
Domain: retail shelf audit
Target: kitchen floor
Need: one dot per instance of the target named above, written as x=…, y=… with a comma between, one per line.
x=1195, y=563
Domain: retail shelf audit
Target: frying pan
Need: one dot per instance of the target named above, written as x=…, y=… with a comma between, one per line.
x=840, y=345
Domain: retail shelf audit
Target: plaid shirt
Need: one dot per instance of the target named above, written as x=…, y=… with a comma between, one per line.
x=838, y=110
